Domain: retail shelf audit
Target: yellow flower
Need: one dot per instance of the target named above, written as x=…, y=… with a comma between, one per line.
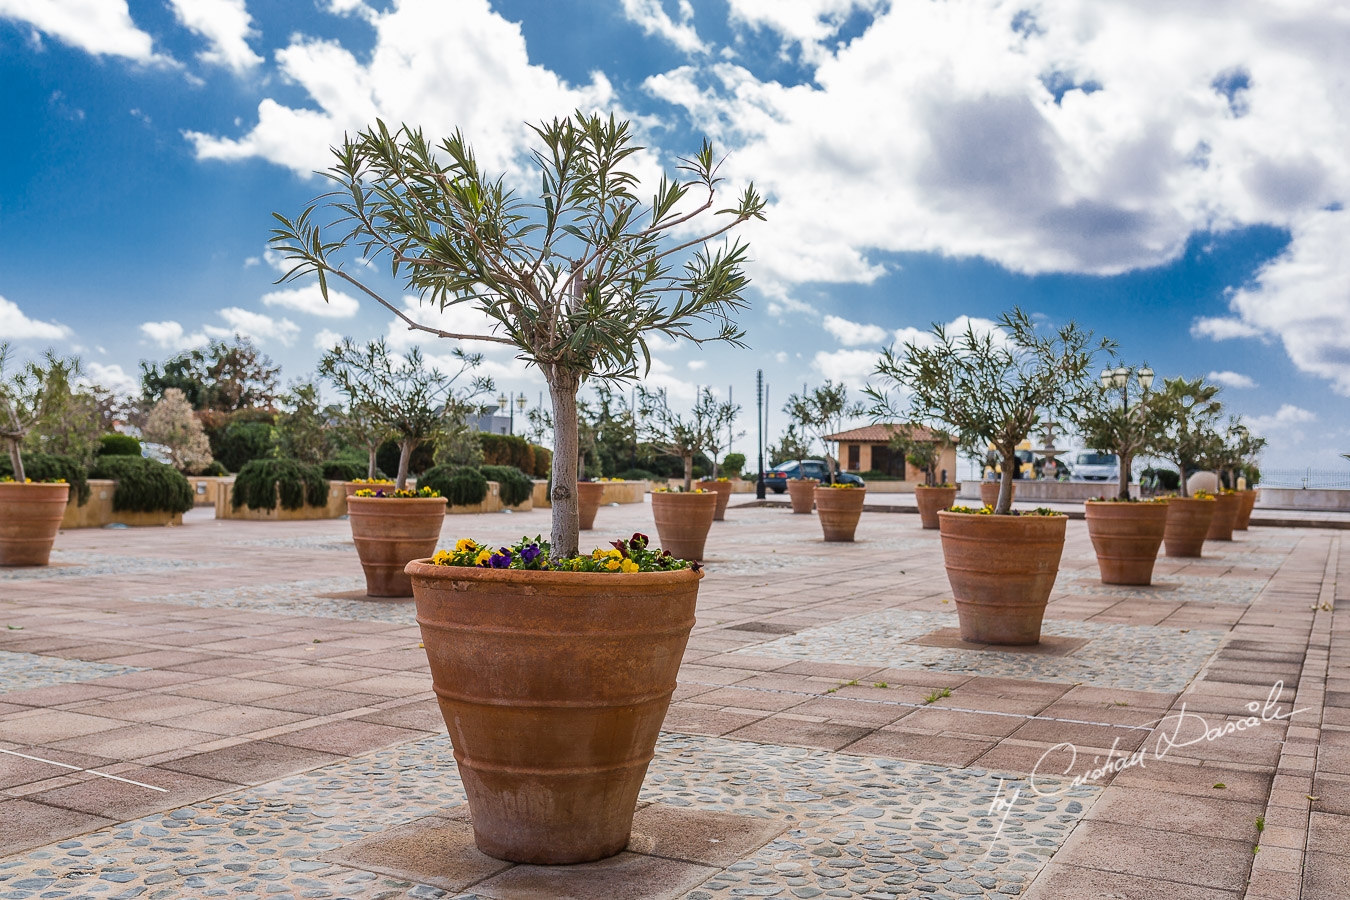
x=628, y=566
x=597, y=553
x=614, y=554
x=612, y=564
x=464, y=545
x=483, y=556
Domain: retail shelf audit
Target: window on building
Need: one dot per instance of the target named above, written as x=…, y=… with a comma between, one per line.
x=854, y=457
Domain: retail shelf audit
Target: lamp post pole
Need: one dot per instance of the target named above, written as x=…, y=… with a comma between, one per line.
x=759, y=421
x=1119, y=378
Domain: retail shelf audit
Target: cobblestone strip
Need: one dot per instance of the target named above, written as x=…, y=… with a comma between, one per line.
x=26, y=671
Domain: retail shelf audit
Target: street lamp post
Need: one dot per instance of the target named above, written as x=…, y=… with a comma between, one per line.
x=1119, y=378
x=506, y=403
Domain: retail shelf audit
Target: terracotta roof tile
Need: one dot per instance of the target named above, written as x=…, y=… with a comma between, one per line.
x=881, y=433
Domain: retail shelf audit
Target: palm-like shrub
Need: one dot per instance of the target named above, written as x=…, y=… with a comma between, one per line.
x=144, y=485
x=1188, y=416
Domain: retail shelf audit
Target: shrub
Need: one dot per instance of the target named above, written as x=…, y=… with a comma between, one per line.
x=343, y=470
x=215, y=469
x=543, y=461
x=243, y=442
x=48, y=467
x=507, y=450
x=423, y=458
x=1168, y=480
x=118, y=445
x=144, y=485
x=262, y=481
x=639, y=475
x=732, y=464
x=515, y=486
x=460, y=485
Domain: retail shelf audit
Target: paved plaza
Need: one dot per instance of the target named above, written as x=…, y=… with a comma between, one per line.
x=216, y=711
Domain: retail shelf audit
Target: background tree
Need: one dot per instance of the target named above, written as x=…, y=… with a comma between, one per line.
x=306, y=426
x=360, y=426
x=414, y=402
x=1121, y=420
x=575, y=280
x=72, y=419
x=1188, y=413
x=673, y=433
x=922, y=454
x=1237, y=449
x=990, y=388
x=173, y=424
x=26, y=396
x=789, y=447
x=720, y=416
x=223, y=376
x=821, y=412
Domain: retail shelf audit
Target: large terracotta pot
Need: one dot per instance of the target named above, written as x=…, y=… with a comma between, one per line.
x=1244, y=516
x=1188, y=521
x=723, y=491
x=589, y=494
x=989, y=492
x=1001, y=569
x=683, y=520
x=30, y=517
x=553, y=686
x=932, y=499
x=391, y=531
x=1225, y=517
x=839, y=510
x=801, y=493
x=1126, y=537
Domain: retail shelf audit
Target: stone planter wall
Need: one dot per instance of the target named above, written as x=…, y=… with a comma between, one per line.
x=206, y=487
x=99, y=511
x=1063, y=491
x=492, y=503
x=335, y=508
x=1296, y=498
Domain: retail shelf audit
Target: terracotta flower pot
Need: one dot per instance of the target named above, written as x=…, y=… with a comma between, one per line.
x=1126, y=537
x=682, y=521
x=932, y=499
x=1001, y=569
x=391, y=531
x=1188, y=521
x=553, y=686
x=1225, y=517
x=588, y=501
x=30, y=517
x=1244, y=516
x=839, y=510
x=989, y=492
x=801, y=493
x=723, y=491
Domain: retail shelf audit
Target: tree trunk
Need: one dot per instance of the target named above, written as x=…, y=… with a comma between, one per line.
x=688, y=472
x=370, y=469
x=713, y=460
x=562, y=392
x=16, y=460
x=1181, y=481
x=405, y=449
x=1124, y=492
x=1005, y=485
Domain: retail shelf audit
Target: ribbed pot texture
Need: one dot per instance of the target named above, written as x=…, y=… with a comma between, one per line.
x=682, y=521
x=553, y=686
x=1244, y=516
x=1187, y=524
x=839, y=510
x=1226, y=508
x=588, y=501
x=30, y=517
x=723, y=489
x=1001, y=569
x=1126, y=537
x=391, y=531
x=932, y=499
x=800, y=492
x=989, y=492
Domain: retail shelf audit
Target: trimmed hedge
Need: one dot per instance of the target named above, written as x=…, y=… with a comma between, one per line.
x=639, y=475
x=1168, y=480
x=460, y=485
x=342, y=470
x=514, y=485
x=49, y=466
x=423, y=458
x=242, y=442
x=118, y=445
x=543, y=462
x=215, y=469
x=261, y=482
x=144, y=485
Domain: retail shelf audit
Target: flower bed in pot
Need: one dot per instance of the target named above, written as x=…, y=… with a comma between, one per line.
x=683, y=519
x=721, y=487
x=30, y=516
x=1126, y=535
x=839, y=507
x=801, y=491
x=989, y=492
x=1227, y=505
x=1244, y=516
x=589, y=494
x=1188, y=521
x=1002, y=569
x=554, y=679
x=390, y=528
x=366, y=484
x=932, y=499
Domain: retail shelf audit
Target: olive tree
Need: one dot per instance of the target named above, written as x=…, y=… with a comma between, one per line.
x=1188, y=434
x=821, y=412
x=672, y=433
x=1122, y=419
x=575, y=278
x=1237, y=449
x=720, y=416
x=989, y=387
x=360, y=425
x=923, y=454
x=29, y=394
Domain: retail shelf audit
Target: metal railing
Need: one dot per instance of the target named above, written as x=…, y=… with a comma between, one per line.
x=1305, y=478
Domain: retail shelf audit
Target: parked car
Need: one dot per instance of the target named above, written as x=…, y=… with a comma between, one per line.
x=776, y=479
x=1089, y=465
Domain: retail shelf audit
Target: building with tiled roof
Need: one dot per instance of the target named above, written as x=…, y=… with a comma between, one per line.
x=868, y=449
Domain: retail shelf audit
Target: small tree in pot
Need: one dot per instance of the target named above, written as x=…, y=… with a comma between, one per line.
x=993, y=388
x=1247, y=449
x=821, y=412
x=682, y=519
x=925, y=454
x=576, y=281
x=1188, y=414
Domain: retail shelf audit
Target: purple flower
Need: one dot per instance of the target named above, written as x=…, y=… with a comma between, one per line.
x=621, y=546
x=501, y=559
x=530, y=553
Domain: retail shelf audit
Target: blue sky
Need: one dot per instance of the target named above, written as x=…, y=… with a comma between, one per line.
x=1173, y=181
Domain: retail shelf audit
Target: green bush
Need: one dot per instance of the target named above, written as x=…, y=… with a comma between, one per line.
x=48, y=467
x=514, y=485
x=543, y=461
x=639, y=475
x=144, y=485
x=343, y=470
x=460, y=485
x=215, y=469
x=422, y=458
x=1168, y=480
x=242, y=442
x=260, y=483
x=118, y=445
x=733, y=464
x=507, y=450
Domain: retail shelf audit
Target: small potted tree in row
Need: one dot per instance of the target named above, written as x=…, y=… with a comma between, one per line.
x=554, y=670
x=989, y=388
x=414, y=403
x=683, y=517
x=821, y=413
x=1123, y=419
x=922, y=448
x=1247, y=451
x=720, y=416
x=1234, y=446
x=1187, y=412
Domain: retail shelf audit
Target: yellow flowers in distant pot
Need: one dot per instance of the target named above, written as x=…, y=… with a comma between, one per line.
x=401, y=495
x=532, y=554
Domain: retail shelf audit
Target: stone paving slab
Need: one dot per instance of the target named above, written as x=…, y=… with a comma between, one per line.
x=28, y=671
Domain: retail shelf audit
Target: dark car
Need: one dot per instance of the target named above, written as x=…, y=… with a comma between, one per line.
x=776, y=479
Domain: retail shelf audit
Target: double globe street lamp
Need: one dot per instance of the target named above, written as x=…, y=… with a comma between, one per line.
x=1119, y=378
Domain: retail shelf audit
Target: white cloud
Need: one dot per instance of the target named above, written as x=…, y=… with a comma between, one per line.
x=14, y=325
x=651, y=15
x=170, y=335
x=101, y=27
x=1231, y=379
x=1281, y=429
x=226, y=26
x=309, y=299
x=804, y=22
x=852, y=367
x=327, y=340
x=258, y=326
x=462, y=318
x=276, y=259
x=1222, y=328
x=697, y=364
x=781, y=356
x=852, y=334
x=662, y=375
x=252, y=261
x=114, y=378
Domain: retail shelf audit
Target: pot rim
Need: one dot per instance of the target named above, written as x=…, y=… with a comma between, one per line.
x=529, y=577
x=399, y=499
x=36, y=485
x=935, y=487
